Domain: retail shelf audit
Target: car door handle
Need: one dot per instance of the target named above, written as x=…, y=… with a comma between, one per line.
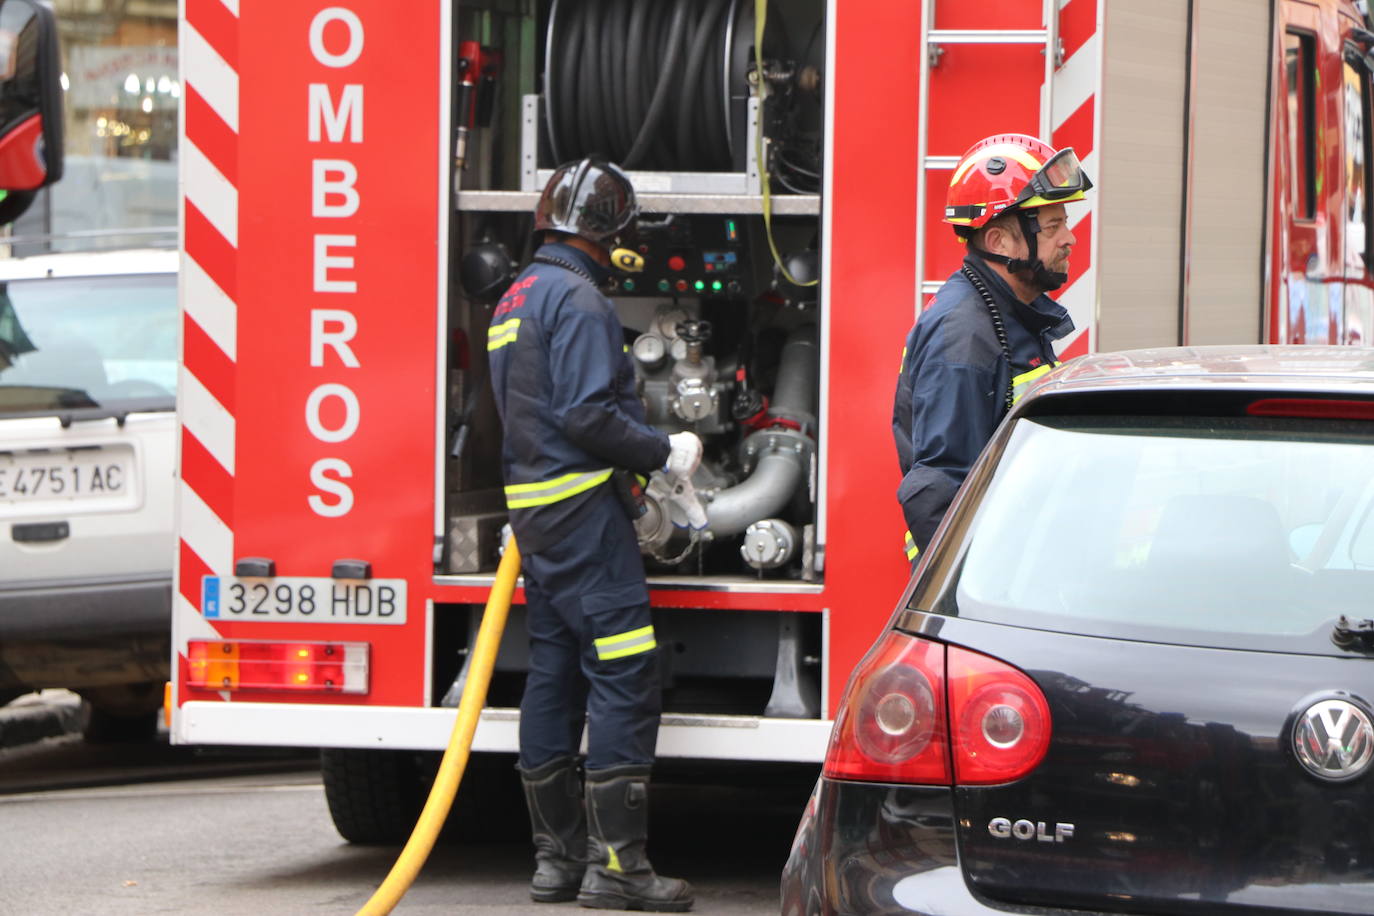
x=40, y=531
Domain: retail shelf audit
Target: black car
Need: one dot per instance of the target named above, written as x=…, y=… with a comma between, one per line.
x=1134, y=672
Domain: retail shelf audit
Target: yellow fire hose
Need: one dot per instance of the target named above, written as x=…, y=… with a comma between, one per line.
x=417, y=848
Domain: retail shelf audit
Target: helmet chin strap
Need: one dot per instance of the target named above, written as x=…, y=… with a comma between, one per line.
x=1045, y=279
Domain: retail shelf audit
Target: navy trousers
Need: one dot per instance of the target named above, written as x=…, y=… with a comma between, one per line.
x=592, y=651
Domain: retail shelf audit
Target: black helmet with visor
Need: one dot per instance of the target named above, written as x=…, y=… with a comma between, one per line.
x=590, y=198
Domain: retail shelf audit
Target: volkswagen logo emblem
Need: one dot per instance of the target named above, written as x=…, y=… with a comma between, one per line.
x=1334, y=739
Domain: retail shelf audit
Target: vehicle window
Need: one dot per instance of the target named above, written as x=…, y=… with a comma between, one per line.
x=77, y=342
x=121, y=99
x=1357, y=147
x=1300, y=70
x=1193, y=530
x=1360, y=552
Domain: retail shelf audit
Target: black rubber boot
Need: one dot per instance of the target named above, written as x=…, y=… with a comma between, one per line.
x=554, y=796
x=619, y=876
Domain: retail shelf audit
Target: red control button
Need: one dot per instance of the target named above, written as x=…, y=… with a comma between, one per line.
x=676, y=263
x=681, y=285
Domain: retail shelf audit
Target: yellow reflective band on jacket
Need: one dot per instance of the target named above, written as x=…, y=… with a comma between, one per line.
x=902, y=367
x=911, y=549
x=498, y=335
x=623, y=644
x=1019, y=382
x=524, y=495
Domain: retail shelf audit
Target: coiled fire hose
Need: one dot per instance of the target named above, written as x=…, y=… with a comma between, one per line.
x=455, y=760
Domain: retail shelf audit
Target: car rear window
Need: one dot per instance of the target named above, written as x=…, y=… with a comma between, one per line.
x=82, y=342
x=1234, y=531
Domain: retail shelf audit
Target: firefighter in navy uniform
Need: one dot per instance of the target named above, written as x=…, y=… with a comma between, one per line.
x=564, y=386
x=990, y=329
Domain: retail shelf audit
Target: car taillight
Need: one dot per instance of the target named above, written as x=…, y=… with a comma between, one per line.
x=1314, y=408
x=1000, y=719
x=309, y=667
x=891, y=725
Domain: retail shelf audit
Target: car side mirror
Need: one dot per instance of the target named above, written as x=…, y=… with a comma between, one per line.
x=31, y=141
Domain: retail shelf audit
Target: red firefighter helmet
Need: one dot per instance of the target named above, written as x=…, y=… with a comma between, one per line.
x=1007, y=171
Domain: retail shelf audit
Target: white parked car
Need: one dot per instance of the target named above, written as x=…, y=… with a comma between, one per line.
x=88, y=371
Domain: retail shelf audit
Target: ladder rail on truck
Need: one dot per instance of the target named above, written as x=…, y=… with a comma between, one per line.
x=331, y=356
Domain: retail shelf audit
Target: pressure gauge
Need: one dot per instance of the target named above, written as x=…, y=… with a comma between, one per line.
x=650, y=350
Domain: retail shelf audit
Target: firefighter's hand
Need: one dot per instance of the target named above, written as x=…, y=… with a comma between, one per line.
x=684, y=496
x=684, y=457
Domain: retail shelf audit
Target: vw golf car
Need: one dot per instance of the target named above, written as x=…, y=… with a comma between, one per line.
x=1134, y=671
x=88, y=373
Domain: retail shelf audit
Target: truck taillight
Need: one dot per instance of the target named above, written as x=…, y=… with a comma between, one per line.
x=893, y=726
x=297, y=667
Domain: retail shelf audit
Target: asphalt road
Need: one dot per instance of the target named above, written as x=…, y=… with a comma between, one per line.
x=157, y=829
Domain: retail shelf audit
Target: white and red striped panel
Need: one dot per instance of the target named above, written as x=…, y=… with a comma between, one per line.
x=208, y=288
x=1074, y=119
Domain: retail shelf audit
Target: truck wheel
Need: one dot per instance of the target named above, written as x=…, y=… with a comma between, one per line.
x=374, y=796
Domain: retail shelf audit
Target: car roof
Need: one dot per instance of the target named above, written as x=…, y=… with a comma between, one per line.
x=91, y=264
x=1296, y=368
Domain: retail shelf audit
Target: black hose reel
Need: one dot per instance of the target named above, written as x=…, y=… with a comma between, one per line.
x=650, y=84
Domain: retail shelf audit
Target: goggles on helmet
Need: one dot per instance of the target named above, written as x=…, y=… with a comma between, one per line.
x=1061, y=179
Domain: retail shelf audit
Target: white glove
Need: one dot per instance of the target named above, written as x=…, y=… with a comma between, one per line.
x=683, y=496
x=684, y=457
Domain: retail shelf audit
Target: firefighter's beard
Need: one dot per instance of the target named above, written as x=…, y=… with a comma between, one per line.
x=1048, y=278
x=1040, y=277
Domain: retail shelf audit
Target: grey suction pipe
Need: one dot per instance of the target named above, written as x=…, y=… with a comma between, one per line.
x=783, y=453
x=796, y=392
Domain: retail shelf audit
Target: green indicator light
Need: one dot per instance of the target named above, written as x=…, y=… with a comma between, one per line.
x=663, y=286
x=716, y=285
x=729, y=228
x=629, y=286
x=700, y=285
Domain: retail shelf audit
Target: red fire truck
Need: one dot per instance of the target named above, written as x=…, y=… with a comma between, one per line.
x=359, y=176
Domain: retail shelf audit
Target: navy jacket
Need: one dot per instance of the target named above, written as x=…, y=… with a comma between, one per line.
x=565, y=388
x=952, y=390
